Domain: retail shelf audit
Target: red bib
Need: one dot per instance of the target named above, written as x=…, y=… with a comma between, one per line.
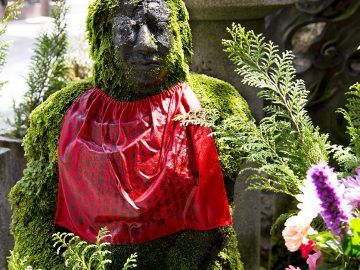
x=130, y=167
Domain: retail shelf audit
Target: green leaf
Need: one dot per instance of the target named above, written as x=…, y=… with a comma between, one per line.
x=328, y=266
x=327, y=243
x=351, y=243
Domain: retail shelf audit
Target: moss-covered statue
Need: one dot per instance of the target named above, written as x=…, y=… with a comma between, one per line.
x=107, y=151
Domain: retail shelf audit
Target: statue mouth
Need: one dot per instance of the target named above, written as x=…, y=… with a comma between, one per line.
x=152, y=62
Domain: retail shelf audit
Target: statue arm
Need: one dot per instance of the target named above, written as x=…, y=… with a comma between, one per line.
x=226, y=100
x=34, y=196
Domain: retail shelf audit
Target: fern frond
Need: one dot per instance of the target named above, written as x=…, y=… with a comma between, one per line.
x=99, y=256
x=352, y=116
x=130, y=262
x=17, y=263
x=81, y=255
x=258, y=145
x=285, y=143
x=198, y=117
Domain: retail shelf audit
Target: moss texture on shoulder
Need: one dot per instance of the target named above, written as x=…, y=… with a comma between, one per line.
x=34, y=197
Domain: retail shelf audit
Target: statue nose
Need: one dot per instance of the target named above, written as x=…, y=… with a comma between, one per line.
x=145, y=41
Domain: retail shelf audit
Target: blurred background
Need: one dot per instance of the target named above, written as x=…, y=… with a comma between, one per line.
x=34, y=18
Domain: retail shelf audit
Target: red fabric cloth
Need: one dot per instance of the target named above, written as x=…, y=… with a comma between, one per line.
x=130, y=167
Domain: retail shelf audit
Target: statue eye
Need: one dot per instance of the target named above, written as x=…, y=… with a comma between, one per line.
x=163, y=26
x=124, y=28
x=158, y=13
x=121, y=21
x=156, y=26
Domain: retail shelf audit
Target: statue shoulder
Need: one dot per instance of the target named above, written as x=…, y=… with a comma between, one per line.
x=215, y=93
x=232, y=107
x=45, y=122
x=61, y=100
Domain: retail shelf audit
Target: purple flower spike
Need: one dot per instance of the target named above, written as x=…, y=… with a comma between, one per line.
x=326, y=184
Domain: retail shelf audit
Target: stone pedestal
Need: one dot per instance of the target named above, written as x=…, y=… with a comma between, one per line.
x=12, y=164
x=247, y=223
x=18, y=161
x=6, y=241
x=209, y=20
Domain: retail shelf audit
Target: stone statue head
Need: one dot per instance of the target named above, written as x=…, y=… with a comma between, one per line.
x=141, y=35
x=140, y=47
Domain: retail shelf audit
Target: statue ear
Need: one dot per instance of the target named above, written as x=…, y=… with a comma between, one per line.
x=182, y=17
x=99, y=24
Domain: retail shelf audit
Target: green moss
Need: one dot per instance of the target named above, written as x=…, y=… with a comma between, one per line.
x=34, y=197
x=189, y=250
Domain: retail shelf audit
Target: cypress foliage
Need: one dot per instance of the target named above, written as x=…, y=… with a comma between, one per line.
x=285, y=143
x=48, y=70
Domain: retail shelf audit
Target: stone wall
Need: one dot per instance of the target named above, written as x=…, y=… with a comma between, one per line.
x=12, y=164
x=209, y=20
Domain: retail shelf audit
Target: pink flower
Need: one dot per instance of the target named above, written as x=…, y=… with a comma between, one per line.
x=295, y=232
x=307, y=248
x=312, y=260
x=352, y=189
x=290, y=267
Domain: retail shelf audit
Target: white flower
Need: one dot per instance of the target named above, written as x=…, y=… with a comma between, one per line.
x=309, y=205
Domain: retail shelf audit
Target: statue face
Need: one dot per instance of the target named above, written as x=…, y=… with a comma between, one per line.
x=141, y=35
